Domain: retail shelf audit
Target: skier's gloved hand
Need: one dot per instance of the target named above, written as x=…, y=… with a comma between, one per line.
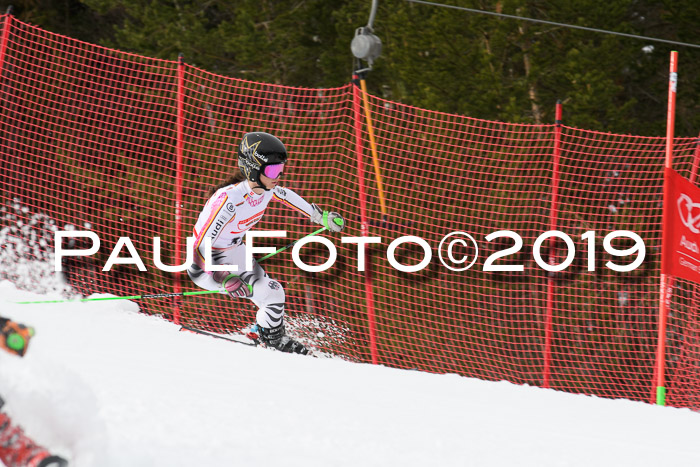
x=14, y=337
x=330, y=220
x=233, y=284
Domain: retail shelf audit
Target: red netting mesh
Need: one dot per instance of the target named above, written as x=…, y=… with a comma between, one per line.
x=90, y=138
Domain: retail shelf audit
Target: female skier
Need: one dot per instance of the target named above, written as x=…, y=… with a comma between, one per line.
x=234, y=208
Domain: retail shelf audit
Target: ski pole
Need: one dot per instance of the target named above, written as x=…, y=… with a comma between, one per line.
x=167, y=294
x=292, y=244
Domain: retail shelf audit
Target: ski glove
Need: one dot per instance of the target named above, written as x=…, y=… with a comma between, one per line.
x=330, y=220
x=234, y=285
x=14, y=337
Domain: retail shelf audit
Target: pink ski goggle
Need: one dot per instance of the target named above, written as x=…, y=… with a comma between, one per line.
x=273, y=171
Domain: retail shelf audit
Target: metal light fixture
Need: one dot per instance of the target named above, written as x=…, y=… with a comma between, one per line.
x=365, y=45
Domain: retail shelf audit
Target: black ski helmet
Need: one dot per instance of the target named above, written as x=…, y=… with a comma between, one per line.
x=257, y=150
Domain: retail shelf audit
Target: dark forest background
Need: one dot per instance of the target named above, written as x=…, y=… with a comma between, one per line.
x=436, y=58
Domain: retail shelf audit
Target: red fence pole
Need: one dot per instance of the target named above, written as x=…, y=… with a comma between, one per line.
x=666, y=281
x=179, y=178
x=357, y=114
x=7, y=24
x=548, y=333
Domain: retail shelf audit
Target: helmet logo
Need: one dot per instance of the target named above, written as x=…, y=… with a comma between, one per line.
x=251, y=151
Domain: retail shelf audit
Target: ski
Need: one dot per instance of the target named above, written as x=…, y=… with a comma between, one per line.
x=233, y=338
x=229, y=338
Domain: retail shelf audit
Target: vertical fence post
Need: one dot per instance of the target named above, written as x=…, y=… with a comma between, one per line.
x=4, y=38
x=7, y=24
x=357, y=116
x=180, y=123
x=553, y=212
x=666, y=281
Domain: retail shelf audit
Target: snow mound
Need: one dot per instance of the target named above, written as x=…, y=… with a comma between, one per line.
x=103, y=384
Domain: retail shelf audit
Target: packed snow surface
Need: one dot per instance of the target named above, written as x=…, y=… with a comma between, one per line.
x=105, y=385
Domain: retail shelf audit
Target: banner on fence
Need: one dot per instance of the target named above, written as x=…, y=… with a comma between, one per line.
x=682, y=229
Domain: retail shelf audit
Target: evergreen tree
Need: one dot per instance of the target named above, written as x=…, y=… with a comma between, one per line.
x=437, y=58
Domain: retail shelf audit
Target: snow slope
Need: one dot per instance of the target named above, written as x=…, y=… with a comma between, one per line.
x=106, y=386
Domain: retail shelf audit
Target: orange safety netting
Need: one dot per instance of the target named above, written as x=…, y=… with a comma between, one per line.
x=107, y=141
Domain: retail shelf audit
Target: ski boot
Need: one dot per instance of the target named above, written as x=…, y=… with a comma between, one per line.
x=276, y=339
